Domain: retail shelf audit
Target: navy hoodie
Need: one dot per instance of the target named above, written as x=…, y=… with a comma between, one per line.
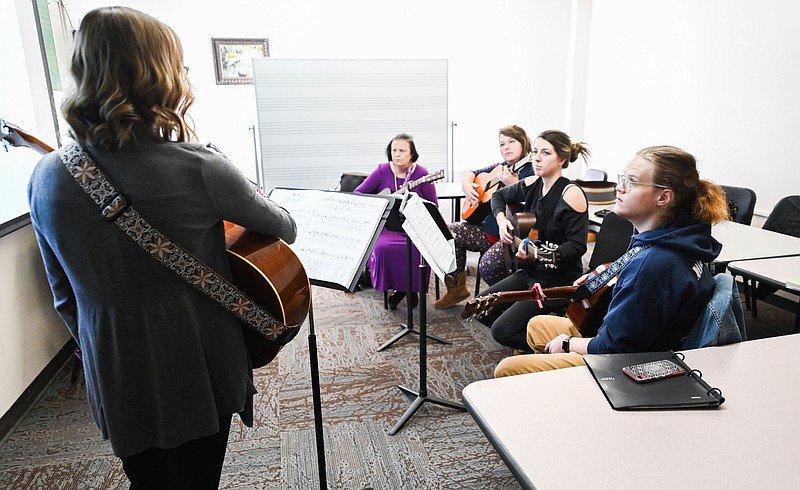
x=661, y=292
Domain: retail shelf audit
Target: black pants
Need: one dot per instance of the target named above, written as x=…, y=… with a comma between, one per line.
x=509, y=321
x=195, y=464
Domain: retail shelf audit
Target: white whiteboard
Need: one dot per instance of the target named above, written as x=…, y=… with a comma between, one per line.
x=320, y=118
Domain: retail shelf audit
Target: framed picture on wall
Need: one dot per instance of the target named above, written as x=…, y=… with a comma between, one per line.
x=233, y=59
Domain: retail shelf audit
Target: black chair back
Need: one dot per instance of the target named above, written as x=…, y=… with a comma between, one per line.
x=745, y=200
x=785, y=217
x=612, y=241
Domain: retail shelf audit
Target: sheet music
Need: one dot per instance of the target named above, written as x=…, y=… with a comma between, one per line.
x=439, y=252
x=334, y=230
x=301, y=204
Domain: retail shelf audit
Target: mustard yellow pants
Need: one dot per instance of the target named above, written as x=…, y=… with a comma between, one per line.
x=541, y=330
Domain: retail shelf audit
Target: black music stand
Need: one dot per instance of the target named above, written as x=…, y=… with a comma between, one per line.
x=312, y=338
x=422, y=394
x=395, y=223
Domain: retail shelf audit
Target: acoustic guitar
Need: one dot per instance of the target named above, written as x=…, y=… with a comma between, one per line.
x=587, y=315
x=523, y=223
x=488, y=183
x=264, y=268
x=438, y=175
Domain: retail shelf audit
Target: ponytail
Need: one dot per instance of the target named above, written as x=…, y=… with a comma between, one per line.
x=702, y=199
x=565, y=149
x=711, y=205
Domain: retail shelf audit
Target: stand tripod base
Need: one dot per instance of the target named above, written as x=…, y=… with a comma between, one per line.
x=407, y=331
x=420, y=399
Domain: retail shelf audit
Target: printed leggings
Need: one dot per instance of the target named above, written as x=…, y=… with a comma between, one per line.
x=469, y=237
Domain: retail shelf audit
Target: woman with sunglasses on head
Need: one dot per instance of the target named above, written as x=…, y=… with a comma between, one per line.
x=664, y=287
x=562, y=219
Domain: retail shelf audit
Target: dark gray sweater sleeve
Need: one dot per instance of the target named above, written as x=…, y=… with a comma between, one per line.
x=240, y=201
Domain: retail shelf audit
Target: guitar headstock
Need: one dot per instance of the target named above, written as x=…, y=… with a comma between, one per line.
x=545, y=252
x=479, y=306
x=12, y=135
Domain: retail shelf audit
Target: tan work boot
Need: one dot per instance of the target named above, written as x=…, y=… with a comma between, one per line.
x=456, y=291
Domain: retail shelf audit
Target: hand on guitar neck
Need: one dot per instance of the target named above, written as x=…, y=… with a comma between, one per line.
x=478, y=193
x=587, y=314
x=438, y=175
x=12, y=135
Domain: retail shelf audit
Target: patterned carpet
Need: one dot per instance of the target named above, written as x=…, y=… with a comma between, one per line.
x=58, y=447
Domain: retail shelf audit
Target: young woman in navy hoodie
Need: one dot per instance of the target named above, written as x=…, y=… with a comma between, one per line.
x=663, y=289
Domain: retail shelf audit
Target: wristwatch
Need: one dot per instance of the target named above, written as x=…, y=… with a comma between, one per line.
x=565, y=343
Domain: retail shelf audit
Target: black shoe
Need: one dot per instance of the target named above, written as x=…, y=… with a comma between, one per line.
x=395, y=298
x=414, y=298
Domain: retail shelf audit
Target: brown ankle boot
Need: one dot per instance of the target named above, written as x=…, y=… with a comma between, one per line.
x=456, y=291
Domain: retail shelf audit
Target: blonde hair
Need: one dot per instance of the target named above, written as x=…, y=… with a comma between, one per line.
x=129, y=77
x=702, y=199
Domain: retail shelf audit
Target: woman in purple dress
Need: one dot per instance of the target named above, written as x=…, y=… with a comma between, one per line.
x=387, y=264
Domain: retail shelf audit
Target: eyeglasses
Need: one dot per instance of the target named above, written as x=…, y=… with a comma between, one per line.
x=627, y=183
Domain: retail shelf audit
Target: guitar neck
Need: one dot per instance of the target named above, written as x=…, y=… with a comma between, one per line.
x=514, y=169
x=483, y=303
x=562, y=292
x=14, y=136
x=439, y=174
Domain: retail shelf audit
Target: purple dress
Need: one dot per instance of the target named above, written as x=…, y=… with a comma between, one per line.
x=387, y=263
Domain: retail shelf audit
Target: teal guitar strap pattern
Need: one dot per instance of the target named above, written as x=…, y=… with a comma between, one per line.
x=593, y=285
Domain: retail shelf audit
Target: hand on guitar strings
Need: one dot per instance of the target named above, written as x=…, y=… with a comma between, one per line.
x=507, y=177
x=506, y=229
x=471, y=193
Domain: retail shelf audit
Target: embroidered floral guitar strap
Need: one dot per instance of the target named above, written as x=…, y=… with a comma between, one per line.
x=115, y=208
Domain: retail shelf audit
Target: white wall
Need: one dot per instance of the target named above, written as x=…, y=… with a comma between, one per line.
x=507, y=62
x=718, y=78
x=31, y=333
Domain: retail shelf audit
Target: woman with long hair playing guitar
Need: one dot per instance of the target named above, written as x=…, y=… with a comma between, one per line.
x=663, y=285
x=165, y=366
x=478, y=232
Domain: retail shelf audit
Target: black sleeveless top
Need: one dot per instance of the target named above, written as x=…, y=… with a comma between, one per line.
x=557, y=222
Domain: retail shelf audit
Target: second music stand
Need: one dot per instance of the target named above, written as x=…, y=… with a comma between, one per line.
x=421, y=396
x=395, y=223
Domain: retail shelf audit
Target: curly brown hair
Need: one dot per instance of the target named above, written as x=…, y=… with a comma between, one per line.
x=129, y=77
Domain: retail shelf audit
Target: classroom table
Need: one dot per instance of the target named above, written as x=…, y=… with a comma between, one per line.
x=555, y=430
x=777, y=271
x=743, y=242
x=453, y=192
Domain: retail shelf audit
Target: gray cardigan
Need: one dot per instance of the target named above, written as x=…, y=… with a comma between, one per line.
x=163, y=363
